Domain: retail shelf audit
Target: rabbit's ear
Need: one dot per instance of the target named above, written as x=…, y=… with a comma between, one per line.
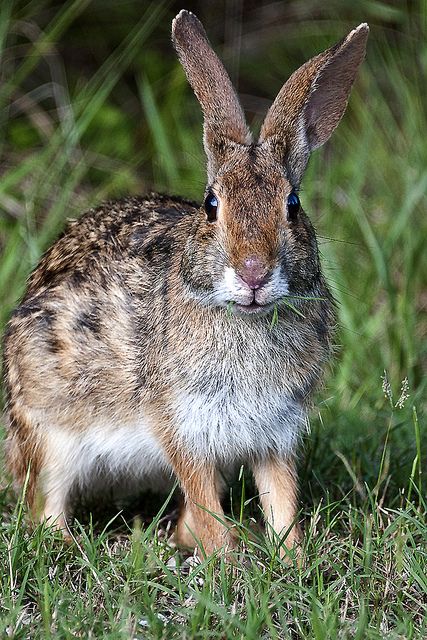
x=224, y=121
x=311, y=103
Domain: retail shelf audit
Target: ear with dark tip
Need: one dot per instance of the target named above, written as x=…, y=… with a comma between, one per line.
x=224, y=121
x=312, y=102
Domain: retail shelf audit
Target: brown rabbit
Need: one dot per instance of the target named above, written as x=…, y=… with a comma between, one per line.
x=144, y=348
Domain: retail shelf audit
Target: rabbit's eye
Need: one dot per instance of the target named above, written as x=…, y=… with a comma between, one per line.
x=293, y=205
x=211, y=206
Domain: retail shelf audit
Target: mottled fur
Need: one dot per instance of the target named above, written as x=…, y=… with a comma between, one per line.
x=140, y=353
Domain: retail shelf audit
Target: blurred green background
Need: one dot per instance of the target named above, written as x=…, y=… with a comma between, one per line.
x=94, y=105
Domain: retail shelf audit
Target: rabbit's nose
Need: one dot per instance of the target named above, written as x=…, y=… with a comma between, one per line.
x=254, y=272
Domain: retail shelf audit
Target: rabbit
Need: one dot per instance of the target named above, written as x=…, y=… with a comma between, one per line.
x=161, y=340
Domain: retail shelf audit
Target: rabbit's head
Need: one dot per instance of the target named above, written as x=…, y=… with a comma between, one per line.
x=252, y=244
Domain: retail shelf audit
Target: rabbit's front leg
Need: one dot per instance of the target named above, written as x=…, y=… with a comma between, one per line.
x=276, y=480
x=202, y=518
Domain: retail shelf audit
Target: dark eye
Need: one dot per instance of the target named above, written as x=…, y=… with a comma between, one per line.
x=293, y=205
x=211, y=206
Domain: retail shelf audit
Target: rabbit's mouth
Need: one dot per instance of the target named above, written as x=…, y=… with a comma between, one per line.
x=247, y=300
x=252, y=308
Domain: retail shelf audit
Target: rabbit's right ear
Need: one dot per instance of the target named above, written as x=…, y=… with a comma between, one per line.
x=224, y=121
x=311, y=103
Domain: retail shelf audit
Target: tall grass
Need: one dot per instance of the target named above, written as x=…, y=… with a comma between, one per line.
x=74, y=134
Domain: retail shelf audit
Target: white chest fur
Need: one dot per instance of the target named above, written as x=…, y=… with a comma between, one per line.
x=232, y=425
x=233, y=399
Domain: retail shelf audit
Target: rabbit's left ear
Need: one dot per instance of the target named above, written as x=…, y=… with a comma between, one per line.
x=312, y=102
x=225, y=123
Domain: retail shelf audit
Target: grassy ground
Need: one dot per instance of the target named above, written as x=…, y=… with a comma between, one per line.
x=81, y=122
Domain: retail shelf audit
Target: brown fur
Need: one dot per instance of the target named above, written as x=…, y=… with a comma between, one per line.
x=224, y=119
x=311, y=103
x=123, y=336
x=202, y=518
x=277, y=484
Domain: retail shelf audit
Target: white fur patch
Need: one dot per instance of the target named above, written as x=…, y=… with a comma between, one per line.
x=232, y=289
x=277, y=287
x=128, y=453
x=236, y=424
x=131, y=449
x=231, y=283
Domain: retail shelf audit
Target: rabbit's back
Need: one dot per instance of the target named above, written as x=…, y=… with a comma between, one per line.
x=116, y=236
x=90, y=303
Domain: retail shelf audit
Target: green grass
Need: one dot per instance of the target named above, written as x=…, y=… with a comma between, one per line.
x=73, y=135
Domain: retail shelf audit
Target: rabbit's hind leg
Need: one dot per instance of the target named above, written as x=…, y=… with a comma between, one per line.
x=56, y=494
x=57, y=478
x=29, y=459
x=24, y=454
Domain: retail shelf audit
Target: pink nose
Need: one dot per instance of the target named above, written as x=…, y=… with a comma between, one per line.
x=254, y=272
